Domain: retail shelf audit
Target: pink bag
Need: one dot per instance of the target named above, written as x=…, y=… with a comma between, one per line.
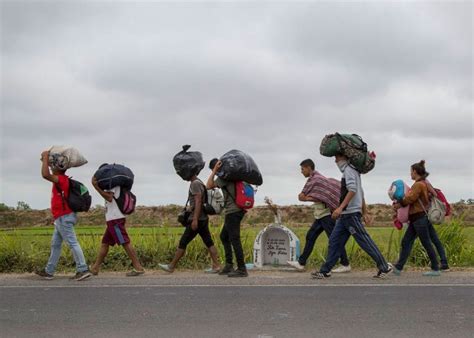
x=401, y=215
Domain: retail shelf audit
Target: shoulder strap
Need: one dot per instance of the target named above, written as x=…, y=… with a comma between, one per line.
x=228, y=192
x=431, y=189
x=58, y=188
x=187, y=201
x=205, y=199
x=123, y=191
x=424, y=209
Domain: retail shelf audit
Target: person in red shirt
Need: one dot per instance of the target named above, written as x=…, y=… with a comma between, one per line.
x=64, y=221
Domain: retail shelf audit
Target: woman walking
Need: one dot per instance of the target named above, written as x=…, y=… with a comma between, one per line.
x=419, y=225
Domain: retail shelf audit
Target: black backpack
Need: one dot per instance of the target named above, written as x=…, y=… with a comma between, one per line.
x=79, y=198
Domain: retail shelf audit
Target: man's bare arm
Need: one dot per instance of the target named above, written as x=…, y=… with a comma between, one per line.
x=107, y=195
x=45, y=172
x=211, y=184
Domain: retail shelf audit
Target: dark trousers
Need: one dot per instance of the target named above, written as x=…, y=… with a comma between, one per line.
x=439, y=247
x=325, y=224
x=202, y=230
x=419, y=228
x=347, y=225
x=230, y=237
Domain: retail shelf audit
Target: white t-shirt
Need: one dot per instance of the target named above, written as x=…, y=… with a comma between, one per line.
x=112, y=209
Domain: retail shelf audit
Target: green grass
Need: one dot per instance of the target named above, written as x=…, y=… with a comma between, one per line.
x=25, y=249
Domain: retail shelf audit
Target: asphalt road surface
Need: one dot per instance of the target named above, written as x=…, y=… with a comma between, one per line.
x=267, y=304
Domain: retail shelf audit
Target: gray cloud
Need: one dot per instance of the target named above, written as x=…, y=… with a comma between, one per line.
x=132, y=82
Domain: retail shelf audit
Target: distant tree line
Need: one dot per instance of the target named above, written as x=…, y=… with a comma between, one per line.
x=22, y=205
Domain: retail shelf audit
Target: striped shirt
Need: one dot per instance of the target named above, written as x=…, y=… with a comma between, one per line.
x=323, y=189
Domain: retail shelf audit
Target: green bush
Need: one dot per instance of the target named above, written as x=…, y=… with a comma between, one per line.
x=23, y=206
x=4, y=207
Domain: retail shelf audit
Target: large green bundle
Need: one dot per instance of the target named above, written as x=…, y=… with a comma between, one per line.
x=350, y=145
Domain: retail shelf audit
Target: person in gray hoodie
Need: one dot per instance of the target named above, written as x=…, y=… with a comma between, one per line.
x=349, y=215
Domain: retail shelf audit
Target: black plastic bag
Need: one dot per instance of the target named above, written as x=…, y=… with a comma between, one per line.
x=239, y=166
x=114, y=175
x=188, y=163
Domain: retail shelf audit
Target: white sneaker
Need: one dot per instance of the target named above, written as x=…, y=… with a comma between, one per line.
x=342, y=269
x=296, y=265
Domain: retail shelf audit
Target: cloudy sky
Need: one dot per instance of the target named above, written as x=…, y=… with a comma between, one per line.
x=130, y=82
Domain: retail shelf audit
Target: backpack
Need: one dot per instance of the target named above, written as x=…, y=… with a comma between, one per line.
x=443, y=199
x=353, y=147
x=244, y=195
x=126, y=202
x=79, y=198
x=436, y=210
x=213, y=202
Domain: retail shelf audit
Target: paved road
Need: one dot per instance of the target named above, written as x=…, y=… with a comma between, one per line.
x=263, y=305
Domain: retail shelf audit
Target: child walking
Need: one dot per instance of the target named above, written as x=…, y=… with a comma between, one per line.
x=115, y=233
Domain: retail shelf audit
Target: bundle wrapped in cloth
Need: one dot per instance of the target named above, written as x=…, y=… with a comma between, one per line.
x=188, y=163
x=114, y=175
x=352, y=146
x=239, y=166
x=65, y=157
x=323, y=189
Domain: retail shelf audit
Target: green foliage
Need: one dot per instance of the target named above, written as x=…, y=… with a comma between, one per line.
x=21, y=205
x=455, y=242
x=4, y=207
x=27, y=249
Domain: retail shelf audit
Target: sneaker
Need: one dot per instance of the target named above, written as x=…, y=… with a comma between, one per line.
x=396, y=272
x=432, y=273
x=135, y=273
x=226, y=270
x=44, y=274
x=342, y=269
x=82, y=275
x=296, y=265
x=381, y=274
x=165, y=267
x=320, y=275
x=212, y=271
x=238, y=273
x=445, y=268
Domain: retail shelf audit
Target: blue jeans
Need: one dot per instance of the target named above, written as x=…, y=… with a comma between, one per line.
x=347, y=225
x=418, y=228
x=64, y=230
x=323, y=224
x=438, y=245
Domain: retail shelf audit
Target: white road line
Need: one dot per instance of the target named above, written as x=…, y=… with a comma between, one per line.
x=86, y=286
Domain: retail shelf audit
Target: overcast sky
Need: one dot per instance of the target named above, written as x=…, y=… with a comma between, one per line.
x=131, y=82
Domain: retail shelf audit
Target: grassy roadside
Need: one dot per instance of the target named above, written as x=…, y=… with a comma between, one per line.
x=23, y=250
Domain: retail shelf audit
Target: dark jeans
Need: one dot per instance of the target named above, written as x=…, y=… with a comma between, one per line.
x=189, y=234
x=230, y=237
x=419, y=228
x=439, y=247
x=347, y=225
x=323, y=224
